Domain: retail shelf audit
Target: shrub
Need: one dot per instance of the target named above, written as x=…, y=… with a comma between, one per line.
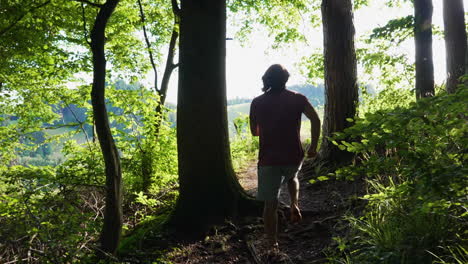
x=44, y=220
x=414, y=159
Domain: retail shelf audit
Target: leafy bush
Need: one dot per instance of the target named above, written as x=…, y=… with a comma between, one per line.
x=43, y=220
x=387, y=99
x=146, y=141
x=414, y=158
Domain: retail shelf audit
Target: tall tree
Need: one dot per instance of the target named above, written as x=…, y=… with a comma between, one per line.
x=341, y=90
x=112, y=227
x=423, y=44
x=455, y=42
x=209, y=191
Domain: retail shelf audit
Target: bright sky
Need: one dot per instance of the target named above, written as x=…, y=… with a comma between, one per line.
x=246, y=65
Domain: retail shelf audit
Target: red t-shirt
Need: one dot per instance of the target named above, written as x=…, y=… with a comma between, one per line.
x=278, y=119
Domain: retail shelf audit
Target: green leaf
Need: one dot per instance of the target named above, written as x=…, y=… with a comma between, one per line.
x=322, y=178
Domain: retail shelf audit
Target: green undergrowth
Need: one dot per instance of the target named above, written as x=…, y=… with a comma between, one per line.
x=244, y=146
x=151, y=239
x=151, y=229
x=413, y=158
x=53, y=214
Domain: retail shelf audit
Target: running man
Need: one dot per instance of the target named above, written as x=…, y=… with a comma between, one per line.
x=275, y=117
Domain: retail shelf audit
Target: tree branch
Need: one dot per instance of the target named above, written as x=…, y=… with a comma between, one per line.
x=84, y=24
x=81, y=124
x=170, y=66
x=175, y=9
x=3, y=31
x=90, y=3
x=148, y=46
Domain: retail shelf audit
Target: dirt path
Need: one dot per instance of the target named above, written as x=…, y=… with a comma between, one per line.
x=248, y=178
x=322, y=203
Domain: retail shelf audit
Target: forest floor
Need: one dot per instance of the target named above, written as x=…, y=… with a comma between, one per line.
x=323, y=205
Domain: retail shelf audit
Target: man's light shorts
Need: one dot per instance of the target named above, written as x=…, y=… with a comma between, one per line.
x=270, y=179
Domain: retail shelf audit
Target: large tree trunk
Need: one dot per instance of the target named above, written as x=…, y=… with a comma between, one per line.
x=209, y=191
x=423, y=45
x=112, y=227
x=455, y=42
x=341, y=90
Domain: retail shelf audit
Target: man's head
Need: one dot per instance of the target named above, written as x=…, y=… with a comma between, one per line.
x=275, y=78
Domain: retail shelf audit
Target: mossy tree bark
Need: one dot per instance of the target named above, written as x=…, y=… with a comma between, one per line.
x=341, y=90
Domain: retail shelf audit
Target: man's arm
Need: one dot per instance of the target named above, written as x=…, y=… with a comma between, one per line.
x=309, y=111
x=253, y=121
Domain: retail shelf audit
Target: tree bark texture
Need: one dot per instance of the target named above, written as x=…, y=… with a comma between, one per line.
x=111, y=230
x=209, y=190
x=455, y=42
x=341, y=90
x=423, y=44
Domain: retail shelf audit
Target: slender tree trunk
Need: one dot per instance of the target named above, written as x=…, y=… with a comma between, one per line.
x=147, y=155
x=148, y=44
x=455, y=42
x=170, y=67
x=112, y=227
x=209, y=191
x=341, y=90
x=423, y=45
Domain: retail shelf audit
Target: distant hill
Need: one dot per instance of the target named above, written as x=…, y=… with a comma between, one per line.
x=315, y=94
x=238, y=100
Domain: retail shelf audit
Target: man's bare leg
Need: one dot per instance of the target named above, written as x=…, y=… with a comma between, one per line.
x=293, y=187
x=270, y=220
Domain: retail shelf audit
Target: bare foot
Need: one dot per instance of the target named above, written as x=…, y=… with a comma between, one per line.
x=296, y=215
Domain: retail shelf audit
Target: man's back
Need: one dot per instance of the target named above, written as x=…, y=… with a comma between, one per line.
x=278, y=119
x=275, y=116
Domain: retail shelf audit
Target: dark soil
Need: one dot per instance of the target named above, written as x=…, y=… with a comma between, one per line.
x=241, y=241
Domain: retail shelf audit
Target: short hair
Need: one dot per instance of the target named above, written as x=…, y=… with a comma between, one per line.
x=275, y=78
